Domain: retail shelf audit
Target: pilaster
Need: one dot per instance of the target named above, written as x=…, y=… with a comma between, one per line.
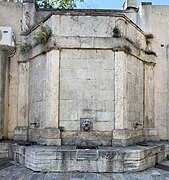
x=21, y=131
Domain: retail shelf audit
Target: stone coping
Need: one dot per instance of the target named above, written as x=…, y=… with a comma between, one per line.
x=71, y=159
x=87, y=12
x=99, y=43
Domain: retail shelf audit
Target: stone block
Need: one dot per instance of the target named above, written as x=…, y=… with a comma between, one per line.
x=74, y=165
x=86, y=74
x=122, y=142
x=49, y=141
x=68, y=73
x=70, y=125
x=68, y=105
x=121, y=134
x=91, y=84
x=50, y=133
x=44, y=167
x=150, y=132
x=84, y=113
x=135, y=155
x=105, y=74
x=75, y=84
x=4, y=150
x=105, y=95
x=86, y=42
x=21, y=133
x=46, y=136
x=102, y=116
x=44, y=155
x=19, y=154
x=104, y=126
x=68, y=116
x=90, y=94
x=100, y=42
x=58, y=166
x=106, y=84
x=66, y=94
x=92, y=138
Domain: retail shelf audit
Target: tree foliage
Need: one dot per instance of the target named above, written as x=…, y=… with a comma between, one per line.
x=56, y=4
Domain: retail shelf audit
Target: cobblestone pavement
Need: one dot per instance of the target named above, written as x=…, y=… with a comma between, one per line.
x=10, y=170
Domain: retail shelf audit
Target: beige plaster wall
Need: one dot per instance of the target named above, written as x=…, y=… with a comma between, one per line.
x=160, y=25
x=4, y=94
x=11, y=15
x=13, y=95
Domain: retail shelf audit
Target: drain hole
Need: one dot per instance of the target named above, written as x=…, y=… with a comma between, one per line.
x=87, y=147
x=143, y=144
x=27, y=143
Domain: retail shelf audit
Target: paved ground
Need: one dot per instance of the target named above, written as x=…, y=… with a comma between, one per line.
x=10, y=170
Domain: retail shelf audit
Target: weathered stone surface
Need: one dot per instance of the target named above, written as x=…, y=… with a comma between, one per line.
x=12, y=82
x=21, y=133
x=3, y=92
x=23, y=92
x=16, y=171
x=88, y=74
x=44, y=92
x=85, y=72
x=86, y=138
x=103, y=159
x=22, y=125
x=4, y=147
x=37, y=176
x=149, y=97
x=82, y=92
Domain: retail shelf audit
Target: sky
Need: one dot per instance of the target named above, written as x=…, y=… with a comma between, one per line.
x=114, y=4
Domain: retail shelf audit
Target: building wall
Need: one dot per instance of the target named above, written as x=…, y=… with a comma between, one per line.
x=11, y=16
x=160, y=25
x=3, y=94
x=21, y=17
x=154, y=20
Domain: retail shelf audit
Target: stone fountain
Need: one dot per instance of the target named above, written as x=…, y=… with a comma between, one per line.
x=86, y=97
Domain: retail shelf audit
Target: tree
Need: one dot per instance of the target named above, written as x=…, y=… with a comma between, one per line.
x=56, y=4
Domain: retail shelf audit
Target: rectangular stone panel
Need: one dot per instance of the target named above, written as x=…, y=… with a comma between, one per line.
x=87, y=88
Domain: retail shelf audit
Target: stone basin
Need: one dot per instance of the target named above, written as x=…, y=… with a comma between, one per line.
x=73, y=158
x=87, y=153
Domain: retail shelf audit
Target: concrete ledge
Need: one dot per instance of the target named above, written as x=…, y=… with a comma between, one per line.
x=70, y=159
